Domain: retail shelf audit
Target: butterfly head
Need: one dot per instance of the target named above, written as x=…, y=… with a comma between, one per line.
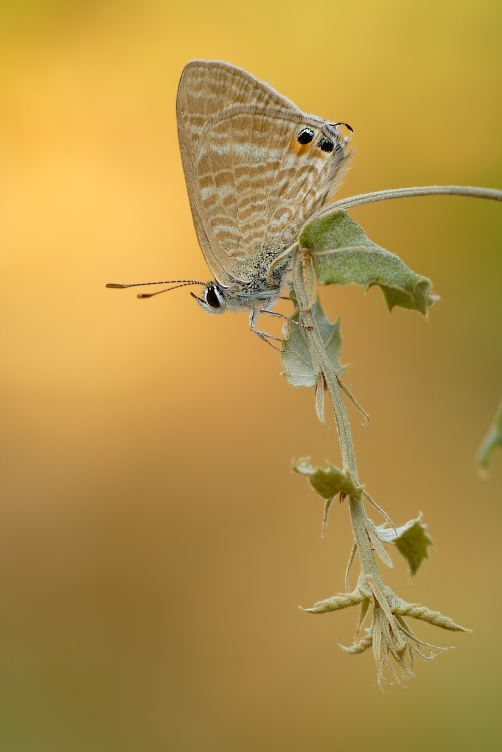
x=213, y=299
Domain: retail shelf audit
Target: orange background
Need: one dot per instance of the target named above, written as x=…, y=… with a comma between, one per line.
x=155, y=544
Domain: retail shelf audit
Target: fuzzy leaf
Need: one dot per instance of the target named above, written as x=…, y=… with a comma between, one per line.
x=327, y=483
x=492, y=440
x=337, y=602
x=295, y=353
x=411, y=541
x=320, y=388
x=416, y=611
x=376, y=543
x=360, y=646
x=344, y=255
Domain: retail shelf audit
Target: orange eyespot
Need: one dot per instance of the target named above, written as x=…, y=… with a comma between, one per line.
x=302, y=140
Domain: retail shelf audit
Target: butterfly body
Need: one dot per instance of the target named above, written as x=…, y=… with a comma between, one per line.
x=256, y=168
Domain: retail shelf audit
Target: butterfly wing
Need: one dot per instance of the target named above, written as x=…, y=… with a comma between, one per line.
x=206, y=89
x=251, y=184
x=256, y=185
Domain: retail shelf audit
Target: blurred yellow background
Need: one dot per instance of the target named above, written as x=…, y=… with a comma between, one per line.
x=155, y=544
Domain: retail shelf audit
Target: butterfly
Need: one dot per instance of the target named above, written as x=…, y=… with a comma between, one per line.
x=256, y=169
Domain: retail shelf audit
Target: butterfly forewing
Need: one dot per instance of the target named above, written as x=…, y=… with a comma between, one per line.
x=250, y=181
x=207, y=87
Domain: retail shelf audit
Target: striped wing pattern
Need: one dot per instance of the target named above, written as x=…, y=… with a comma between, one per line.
x=251, y=184
x=255, y=190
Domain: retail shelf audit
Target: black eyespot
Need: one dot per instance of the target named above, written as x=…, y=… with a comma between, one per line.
x=211, y=297
x=305, y=136
x=326, y=145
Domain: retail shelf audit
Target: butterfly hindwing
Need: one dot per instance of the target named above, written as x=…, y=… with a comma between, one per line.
x=255, y=185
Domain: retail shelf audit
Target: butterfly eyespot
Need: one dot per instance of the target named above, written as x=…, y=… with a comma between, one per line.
x=305, y=136
x=326, y=145
x=211, y=297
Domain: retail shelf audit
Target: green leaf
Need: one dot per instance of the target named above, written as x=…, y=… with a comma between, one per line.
x=344, y=255
x=327, y=483
x=492, y=440
x=295, y=353
x=411, y=541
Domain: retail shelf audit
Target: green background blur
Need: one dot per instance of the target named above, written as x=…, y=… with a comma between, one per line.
x=155, y=544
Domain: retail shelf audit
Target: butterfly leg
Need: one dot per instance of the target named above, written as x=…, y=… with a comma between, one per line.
x=253, y=315
x=282, y=316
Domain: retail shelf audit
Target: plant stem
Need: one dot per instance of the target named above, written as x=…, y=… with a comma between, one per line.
x=369, y=569
x=429, y=190
x=303, y=284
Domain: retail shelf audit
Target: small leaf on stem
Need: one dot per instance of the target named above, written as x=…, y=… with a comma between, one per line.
x=411, y=541
x=343, y=255
x=327, y=483
x=416, y=611
x=337, y=602
x=376, y=544
x=296, y=356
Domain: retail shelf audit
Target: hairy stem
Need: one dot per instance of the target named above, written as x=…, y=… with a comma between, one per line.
x=303, y=283
x=428, y=190
x=369, y=569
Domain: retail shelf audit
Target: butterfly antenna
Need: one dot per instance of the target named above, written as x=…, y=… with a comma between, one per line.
x=175, y=282
x=168, y=289
x=334, y=125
